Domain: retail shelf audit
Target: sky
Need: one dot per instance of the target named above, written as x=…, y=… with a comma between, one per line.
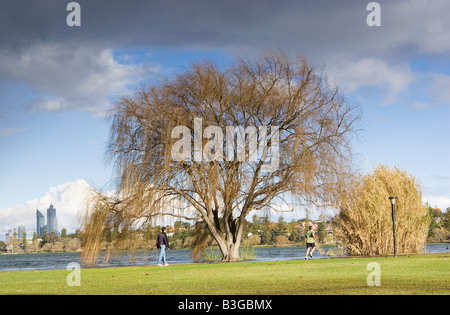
x=57, y=82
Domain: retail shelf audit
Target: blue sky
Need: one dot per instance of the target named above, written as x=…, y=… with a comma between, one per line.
x=56, y=82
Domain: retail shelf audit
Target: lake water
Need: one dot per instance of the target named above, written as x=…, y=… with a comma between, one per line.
x=45, y=261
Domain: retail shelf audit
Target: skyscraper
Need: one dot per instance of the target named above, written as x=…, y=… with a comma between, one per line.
x=9, y=237
x=21, y=229
x=40, y=222
x=52, y=223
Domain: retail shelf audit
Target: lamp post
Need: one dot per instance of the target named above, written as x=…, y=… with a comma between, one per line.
x=392, y=199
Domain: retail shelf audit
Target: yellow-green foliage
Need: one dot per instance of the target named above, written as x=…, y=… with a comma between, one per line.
x=364, y=224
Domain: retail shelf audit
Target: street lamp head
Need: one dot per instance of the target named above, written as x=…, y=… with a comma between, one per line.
x=392, y=199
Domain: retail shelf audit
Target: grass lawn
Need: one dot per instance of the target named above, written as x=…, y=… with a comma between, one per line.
x=421, y=274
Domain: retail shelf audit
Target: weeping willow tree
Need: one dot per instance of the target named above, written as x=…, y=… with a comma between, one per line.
x=364, y=224
x=216, y=142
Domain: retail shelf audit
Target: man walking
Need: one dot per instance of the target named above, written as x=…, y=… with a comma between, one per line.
x=310, y=242
x=161, y=243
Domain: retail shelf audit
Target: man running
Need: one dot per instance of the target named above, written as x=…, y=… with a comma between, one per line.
x=310, y=242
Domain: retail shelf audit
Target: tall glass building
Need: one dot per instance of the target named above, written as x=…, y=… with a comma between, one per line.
x=40, y=223
x=52, y=223
x=21, y=229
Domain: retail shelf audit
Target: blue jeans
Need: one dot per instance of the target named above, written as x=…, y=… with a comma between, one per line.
x=162, y=255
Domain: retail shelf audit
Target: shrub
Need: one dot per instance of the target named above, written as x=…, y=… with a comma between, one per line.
x=364, y=224
x=281, y=240
x=252, y=240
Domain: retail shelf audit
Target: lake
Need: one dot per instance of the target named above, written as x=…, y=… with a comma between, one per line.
x=46, y=261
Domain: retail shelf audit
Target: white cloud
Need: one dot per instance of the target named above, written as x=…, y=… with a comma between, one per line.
x=4, y=132
x=68, y=199
x=433, y=88
x=372, y=72
x=442, y=202
x=71, y=78
x=421, y=105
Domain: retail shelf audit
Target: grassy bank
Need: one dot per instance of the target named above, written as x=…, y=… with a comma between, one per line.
x=422, y=274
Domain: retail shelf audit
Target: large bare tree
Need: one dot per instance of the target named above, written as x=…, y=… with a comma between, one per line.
x=216, y=142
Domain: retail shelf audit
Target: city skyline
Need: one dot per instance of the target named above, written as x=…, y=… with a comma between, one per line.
x=68, y=198
x=50, y=227
x=52, y=221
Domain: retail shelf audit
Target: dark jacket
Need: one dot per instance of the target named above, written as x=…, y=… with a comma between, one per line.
x=162, y=240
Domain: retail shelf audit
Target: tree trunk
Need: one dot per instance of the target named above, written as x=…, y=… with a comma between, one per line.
x=229, y=243
x=230, y=252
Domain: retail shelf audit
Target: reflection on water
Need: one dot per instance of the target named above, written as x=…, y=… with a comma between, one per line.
x=43, y=261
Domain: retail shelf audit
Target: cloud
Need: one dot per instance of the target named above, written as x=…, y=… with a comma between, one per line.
x=371, y=72
x=441, y=177
x=442, y=202
x=71, y=78
x=439, y=90
x=430, y=90
x=74, y=68
x=396, y=81
x=5, y=132
x=68, y=199
x=418, y=105
x=418, y=26
x=323, y=27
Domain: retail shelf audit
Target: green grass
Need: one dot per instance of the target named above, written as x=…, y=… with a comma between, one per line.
x=421, y=274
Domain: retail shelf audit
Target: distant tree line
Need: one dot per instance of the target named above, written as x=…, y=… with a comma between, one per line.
x=48, y=242
x=258, y=231
x=439, y=229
